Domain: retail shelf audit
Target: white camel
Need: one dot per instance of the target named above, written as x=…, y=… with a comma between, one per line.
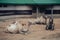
x=14, y=27
x=42, y=19
x=38, y=20
x=25, y=27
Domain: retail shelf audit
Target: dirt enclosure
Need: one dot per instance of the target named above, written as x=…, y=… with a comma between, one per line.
x=37, y=32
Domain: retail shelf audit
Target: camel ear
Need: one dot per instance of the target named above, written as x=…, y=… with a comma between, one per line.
x=15, y=22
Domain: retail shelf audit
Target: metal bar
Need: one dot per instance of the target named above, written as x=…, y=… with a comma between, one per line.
x=52, y=13
x=37, y=11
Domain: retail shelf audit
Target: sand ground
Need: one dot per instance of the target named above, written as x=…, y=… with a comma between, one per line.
x=37, y=32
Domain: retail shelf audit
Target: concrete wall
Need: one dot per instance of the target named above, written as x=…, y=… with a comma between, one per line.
x=8, y=8
x=55, y=8
x=23, y=8
x=16, y=8
x=26, y=8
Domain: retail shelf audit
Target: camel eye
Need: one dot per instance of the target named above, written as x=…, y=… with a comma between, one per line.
x=22, y=24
